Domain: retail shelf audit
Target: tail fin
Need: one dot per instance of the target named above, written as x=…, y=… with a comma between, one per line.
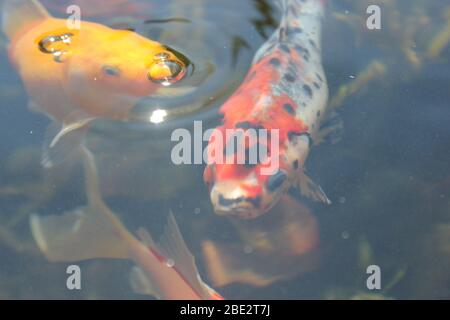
x=17, y=13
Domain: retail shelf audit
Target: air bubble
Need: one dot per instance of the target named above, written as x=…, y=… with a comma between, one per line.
x=166, y=72
x=57, y=46
x=248, y=249
x=345, y=235
x=52, y=44
x=170, y=263
x=60, y=56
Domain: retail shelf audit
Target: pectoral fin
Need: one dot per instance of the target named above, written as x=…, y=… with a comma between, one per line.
x=331, y=130
x=61, y=141
x=310, y=189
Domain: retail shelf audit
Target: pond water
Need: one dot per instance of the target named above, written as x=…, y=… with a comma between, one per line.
x=387, y=175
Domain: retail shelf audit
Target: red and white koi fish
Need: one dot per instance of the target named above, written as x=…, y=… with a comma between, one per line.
x=285, y=89
x=166, y=270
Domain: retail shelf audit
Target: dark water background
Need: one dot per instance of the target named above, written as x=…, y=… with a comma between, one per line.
x=388, y=177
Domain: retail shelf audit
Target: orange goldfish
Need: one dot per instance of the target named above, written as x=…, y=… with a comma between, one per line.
x=75, y=75
x=166, y=270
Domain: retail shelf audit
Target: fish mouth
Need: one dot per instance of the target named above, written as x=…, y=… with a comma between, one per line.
x=241, y=207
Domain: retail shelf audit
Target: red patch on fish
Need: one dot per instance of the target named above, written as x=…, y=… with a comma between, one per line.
x=247, y=106
x=258, y=84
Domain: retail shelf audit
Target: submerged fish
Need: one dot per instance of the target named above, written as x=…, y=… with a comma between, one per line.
x=77, y=75
x=286, y=90
x=166, y=270
x=275, y=247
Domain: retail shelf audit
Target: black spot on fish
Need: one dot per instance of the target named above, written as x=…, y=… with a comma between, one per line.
x=301, y=49
x=248, y=125
x=308, y=90
x=319, y=77
x=318, y=113
x=289, y=77
x=285, y=48
x=289, y=108
x=295, y=164
x=311, y=41
x=275, y=181
x=316, y=85
x=275, y=62
x=304, y=52
x=294, y=30
x=243, y=125
x=293, y=134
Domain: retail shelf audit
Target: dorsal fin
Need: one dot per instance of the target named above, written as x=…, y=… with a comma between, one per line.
x=16, y=14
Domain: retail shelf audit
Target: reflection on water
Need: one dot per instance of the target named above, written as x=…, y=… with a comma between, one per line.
x=387, y=176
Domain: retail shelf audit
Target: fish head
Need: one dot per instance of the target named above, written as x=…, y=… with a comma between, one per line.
x=128, y=62
x=119, y=67
x=248, y=190
x=245, y=198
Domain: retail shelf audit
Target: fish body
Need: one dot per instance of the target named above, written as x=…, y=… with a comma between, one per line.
x=285, y=90
x=75, y=75
x=165, y=270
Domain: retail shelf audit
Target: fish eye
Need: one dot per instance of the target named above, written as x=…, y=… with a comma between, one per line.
x=111, y=71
